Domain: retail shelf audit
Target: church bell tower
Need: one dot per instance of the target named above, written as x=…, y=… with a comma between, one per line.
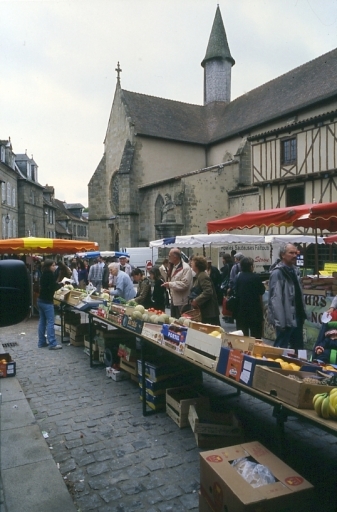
x=217, y=64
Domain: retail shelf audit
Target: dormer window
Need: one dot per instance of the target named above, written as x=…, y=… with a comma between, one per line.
x=2, y=154
x=29, y=171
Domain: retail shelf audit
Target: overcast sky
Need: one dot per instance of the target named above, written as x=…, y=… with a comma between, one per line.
x=58, y=60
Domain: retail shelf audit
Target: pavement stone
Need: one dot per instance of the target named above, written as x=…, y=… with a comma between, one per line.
x=113, y=459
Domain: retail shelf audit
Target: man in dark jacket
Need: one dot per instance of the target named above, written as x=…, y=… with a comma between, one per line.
x=214, y=274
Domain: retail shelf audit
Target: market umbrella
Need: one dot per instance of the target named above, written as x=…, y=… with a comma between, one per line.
x=258, y=219
x=32, y=245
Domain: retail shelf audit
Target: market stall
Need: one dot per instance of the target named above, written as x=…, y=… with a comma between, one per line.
x=262, y=248
x=31, y=246
x=318, y=291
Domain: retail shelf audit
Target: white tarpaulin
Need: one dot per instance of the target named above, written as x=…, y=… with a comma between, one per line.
x=219, y=239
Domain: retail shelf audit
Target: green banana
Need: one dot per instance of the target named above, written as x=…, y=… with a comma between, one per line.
x=325, y=408
x=317, y=402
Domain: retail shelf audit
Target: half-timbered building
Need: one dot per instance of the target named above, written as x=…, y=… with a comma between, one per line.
x=169, y=167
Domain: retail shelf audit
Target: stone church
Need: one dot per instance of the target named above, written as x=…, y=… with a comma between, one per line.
x=169, y=167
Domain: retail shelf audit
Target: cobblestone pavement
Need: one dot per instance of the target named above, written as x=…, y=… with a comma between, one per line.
x=114, y=459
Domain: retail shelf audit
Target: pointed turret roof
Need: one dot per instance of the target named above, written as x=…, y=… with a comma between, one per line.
x=218, y=45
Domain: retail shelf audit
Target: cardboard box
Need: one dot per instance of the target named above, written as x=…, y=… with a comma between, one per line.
x=202, y=348
x=276, y=382
x=73, y=298
x=156, y=371
x=243, y=343
x=174, y=337
x=116, y=375
x=204, y=421
x=115, y=318
x=157, y=403
x=153, y=332
x=240, y=366
x=225, y=489
x=203, y=504
x=178, y=401
x=61, y=295
x=135, y=326
x=79, y=329
x=7, y=366
x=72, y=317
x=249, y=364
x=127, y=351
x=77, y=341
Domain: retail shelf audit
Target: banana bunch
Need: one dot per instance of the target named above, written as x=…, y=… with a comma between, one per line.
x=325, y=404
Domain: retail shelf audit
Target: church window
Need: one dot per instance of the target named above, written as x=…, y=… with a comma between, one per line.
x=288, y=151
x=295, y=196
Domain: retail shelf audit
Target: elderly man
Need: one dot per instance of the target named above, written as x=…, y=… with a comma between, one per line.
x=124, y=285
x=286, y=308
x=179, y=282
x=124, y=266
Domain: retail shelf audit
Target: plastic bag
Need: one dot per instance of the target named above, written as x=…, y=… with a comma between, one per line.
x=255, y=474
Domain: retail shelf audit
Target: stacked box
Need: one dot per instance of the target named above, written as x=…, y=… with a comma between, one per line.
x=95, y=354
x=72, y=317
x=129, y=366
x=157, y=403
x=159, y=377
x=77, y=333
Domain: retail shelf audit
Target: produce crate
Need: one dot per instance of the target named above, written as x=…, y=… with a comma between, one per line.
x=178, y=401
x=73, y=298
x=129, y=366
x=7, y=365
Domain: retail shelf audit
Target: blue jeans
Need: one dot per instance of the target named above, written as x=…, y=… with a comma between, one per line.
x=46, y=312
x=290, y=337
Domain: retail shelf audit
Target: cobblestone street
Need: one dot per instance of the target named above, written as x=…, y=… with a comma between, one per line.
x=114, y=459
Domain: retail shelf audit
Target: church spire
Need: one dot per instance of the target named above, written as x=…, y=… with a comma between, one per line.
x=217, y=64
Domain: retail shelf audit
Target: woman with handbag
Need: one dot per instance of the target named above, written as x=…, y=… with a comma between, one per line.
x=203, y=293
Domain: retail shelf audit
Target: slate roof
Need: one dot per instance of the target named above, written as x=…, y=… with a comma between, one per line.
x=168, y=119
x=218, y=45
x=304, y=86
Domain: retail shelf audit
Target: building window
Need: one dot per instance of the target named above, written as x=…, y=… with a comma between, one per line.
x=3, y=192
x=289, y=151
x=3, y=154
x=13, y=197
x=295, y=196
x=9, y=194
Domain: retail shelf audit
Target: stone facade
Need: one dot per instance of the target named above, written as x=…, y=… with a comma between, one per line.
x=170, y=167
x=9, y=191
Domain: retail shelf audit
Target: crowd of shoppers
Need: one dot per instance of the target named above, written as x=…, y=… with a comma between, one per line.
x=196, y=285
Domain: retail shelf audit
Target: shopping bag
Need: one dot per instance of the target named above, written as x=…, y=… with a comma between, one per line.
x=232, y=304
x=225, y=310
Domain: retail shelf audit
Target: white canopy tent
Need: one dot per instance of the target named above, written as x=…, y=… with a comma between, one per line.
x=219, y=239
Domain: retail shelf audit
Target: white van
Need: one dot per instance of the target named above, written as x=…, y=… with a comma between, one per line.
x=139, y=256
